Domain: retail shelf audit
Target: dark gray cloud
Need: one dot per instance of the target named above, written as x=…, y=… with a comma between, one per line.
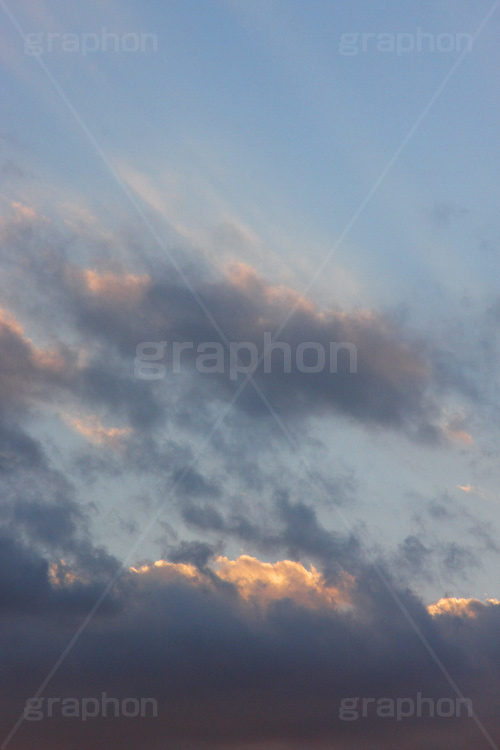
x=287, y=528
x=241, y=673
x=114, y=311
x=197, y=553
x=433, y=550
x=192, y=484
x=388, y=388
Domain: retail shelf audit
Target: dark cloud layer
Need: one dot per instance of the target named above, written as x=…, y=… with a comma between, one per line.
x=230, y=671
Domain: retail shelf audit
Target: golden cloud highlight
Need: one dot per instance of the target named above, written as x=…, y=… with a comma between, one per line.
x=285, y=579
x=49, y=360
x=61, y=574
x=459, y=607
x=245, y=278
x=262, y=582
x=91, y=427
x=118, y=287
x=108, y=285
x=169, y=571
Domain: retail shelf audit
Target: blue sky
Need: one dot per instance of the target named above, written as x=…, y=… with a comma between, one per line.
x=255, y=103
x=247, y=162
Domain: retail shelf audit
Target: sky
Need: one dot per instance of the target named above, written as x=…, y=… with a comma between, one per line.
x=249, y=402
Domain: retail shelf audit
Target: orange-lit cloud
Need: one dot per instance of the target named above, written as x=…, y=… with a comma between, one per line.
x=61, y=574
x=18, y=213
x=263, y=582
x=108, y=285
x=284, y=579
x=169, y=571
x=460, y=436
x=22, y=212
x=245, y=278
x=9, y=322
x=454, y=430
x=91, y=427
x=471, y=490
x=49, y=360
x=459, y=607
x=117, y=287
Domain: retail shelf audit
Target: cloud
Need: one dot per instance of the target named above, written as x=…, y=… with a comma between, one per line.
x=27, y=371
x=239, y=651
x=197, y=553
x=266, y=582
x=90, y=426
x=451, y=606
x=246, y=654
x=388, y=387
x=111, y=308
x=117, y=288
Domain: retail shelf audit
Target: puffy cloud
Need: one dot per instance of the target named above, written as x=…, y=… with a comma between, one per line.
x=245, y=653
x=262, y=582
x=266, y=582
x=459, y=607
